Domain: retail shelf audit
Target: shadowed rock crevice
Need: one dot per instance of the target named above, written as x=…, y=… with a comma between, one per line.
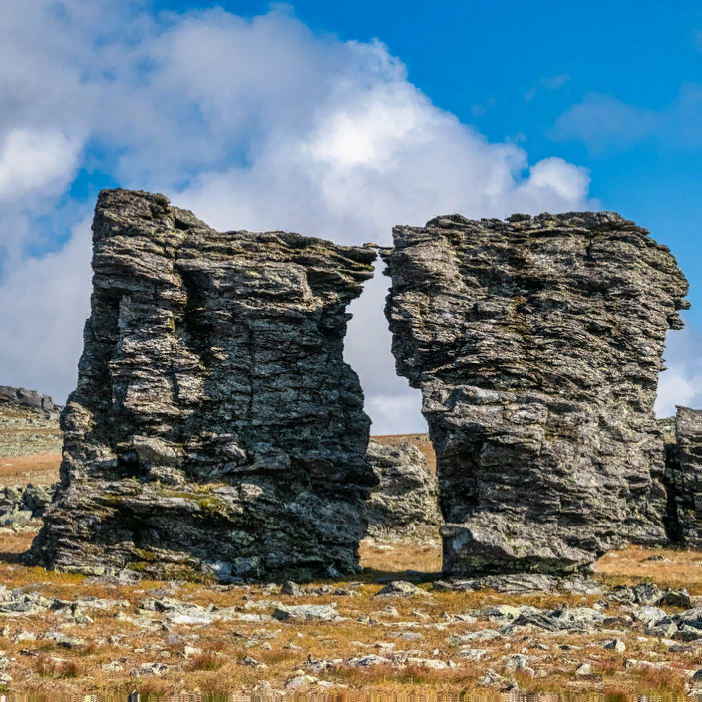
x=215, y=428
x=537, y=344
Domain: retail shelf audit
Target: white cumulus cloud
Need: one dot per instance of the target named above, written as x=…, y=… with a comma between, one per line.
x=43, y=162
x=253, y=123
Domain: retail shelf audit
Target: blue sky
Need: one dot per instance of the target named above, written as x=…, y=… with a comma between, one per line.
x=337, y=120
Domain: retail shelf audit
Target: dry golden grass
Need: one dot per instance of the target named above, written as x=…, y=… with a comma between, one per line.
x=224, y=644
x=421, y=441
x=382, y=559
x=681, y=568
x=38, y=470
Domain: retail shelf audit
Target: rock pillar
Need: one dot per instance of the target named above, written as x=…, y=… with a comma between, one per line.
x=536, y=343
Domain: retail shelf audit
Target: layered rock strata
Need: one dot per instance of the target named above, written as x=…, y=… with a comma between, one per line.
x=215, y=427
x=407, y=493
x=684, y=477
x=537, y=344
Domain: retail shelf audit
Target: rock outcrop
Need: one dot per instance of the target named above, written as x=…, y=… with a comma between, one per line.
x=407, y=493
x=684, y=476
x=29, y=399
x=537, y=344
x=215, y=427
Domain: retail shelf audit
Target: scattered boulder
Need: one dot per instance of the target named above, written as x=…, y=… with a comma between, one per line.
x=324, y=613
x=400, y=588
x=216, y=431
x=21, y=504
x=407, y=493
x=615, y=645
x=292, y=589
x=536, y=343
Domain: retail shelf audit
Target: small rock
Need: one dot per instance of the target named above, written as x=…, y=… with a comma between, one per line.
x=300, y=681
x=149, y=669
x=473, y=654
x=252, y=662
x=615, y=645
x=407, y=635
x=517, y=661
x=493, y=679
x=293, y=589
x=113, y=667
x=24, y=636
x=400, y=588
x=326, y=613
x=367, y=661
x=584, y=669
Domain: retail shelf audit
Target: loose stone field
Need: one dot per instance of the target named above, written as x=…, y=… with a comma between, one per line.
x=68, y=633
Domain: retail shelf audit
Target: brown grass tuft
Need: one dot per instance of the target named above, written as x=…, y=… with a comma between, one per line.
x=207, y=660
x=50, y=668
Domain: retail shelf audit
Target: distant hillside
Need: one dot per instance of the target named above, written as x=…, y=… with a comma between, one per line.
x=29, y=423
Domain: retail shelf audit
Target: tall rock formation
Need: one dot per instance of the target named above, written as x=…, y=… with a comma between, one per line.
x=215, y=427
x=684, y=477
x=537, y=344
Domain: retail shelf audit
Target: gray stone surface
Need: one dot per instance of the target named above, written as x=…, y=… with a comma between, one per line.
x=215, y=428
x=683, y=454
x=407, y=493
x=25, y=498
x=537, y=344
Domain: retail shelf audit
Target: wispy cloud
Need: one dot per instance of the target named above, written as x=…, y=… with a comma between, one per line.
x=552, y=83
x=605, y=123
x=479, y=109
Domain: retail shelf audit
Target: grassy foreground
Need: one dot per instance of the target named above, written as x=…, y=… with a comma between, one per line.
x=213, y=657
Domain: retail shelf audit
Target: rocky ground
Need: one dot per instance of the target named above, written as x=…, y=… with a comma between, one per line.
x=396, y=626
x=63, y=633
x=26, y=432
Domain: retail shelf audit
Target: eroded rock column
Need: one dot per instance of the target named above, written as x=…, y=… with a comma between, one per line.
x=684, y=477
x=215, y=426
x=537, y=344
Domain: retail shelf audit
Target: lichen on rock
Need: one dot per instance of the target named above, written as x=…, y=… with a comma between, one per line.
x=536, y=343
x=215, y=429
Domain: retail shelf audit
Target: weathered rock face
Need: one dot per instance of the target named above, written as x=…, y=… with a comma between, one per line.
x=684, y=477
x=215, y=426
x=407, y=493
x=537, y=344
